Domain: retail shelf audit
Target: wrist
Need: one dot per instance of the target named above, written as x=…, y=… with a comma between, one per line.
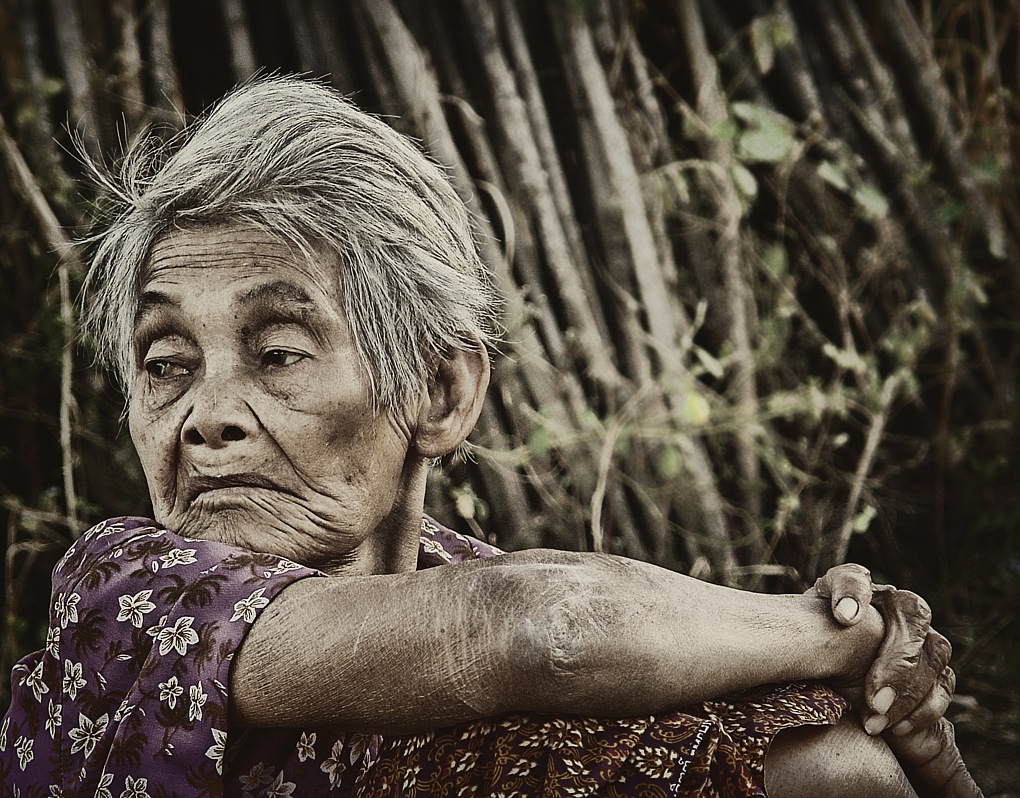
x=856, y=648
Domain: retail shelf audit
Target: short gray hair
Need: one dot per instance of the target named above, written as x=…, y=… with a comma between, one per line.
x=297, y=160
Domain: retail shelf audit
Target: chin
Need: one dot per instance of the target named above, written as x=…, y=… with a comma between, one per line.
x=284, y=531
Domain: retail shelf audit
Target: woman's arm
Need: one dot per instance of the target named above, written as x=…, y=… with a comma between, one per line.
x=539, y=630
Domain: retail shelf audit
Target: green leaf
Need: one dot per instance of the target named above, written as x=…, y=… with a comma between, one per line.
x=768, y=137
x=671, y=462
x=744, y=181
x=833, y=175
x=763, y=44
x=776, y=260
x=696, y=410
x=872, y=201
x=864, y=519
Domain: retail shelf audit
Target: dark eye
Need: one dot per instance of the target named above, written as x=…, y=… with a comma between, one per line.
x=281, y=357
x=164, y=369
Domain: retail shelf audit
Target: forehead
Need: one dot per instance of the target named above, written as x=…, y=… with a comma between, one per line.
x=234, y=255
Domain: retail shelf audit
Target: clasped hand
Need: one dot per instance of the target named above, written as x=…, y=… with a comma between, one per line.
x=909, y=686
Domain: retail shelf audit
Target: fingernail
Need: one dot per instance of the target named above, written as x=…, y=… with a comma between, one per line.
x=903, y=728
x=883, y=700
x=876, y=724
x=847, y=608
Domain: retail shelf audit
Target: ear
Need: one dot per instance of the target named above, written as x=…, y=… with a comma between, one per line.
x=456, y=392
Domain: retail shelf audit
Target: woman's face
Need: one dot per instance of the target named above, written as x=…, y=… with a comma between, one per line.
x=251, y=411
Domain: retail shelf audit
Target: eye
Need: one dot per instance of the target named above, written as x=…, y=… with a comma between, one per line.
x=281, y=357
x=164, y=369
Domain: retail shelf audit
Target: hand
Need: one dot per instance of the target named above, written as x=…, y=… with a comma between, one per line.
x=932, y=762
x=910, y=684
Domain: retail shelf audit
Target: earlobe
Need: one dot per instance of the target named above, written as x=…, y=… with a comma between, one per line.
x=456, y=392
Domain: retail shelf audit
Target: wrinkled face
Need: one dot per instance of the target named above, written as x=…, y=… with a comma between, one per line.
x=251, y=411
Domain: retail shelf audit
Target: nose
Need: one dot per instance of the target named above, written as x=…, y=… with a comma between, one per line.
x=219, y=413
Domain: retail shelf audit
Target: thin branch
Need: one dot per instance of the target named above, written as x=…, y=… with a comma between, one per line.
x=25, y=183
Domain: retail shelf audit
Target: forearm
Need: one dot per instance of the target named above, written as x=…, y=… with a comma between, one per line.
x=543, y=631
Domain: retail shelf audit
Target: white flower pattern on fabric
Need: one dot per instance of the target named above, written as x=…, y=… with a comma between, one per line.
x=178, y=557
x=135, y=788
x=306, y=747
x=24, y=745
x=198, y=699
x=178, y=637
x=66, y=608
x=3, y=733
x=217, y=749
x=135, y=608
x=54, y=719
x=73, y=679
x=247, y=608
x=88, y=734
x=433, y=547
x=334, y=766
x=259, y=774
x=53, y=642
x=103, y=790
x=35, y=681
x=170, y=691
x=280, y=788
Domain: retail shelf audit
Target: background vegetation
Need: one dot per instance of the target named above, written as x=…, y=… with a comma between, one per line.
x=759, y=260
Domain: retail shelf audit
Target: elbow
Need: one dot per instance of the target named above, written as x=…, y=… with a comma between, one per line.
x=572, y=638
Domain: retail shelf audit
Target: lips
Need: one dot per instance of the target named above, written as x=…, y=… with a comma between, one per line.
x=196, y=486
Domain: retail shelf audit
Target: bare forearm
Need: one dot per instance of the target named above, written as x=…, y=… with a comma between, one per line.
x=543, y=631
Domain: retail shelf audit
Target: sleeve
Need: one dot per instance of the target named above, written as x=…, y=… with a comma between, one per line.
x=442, y=546
x=144, y=624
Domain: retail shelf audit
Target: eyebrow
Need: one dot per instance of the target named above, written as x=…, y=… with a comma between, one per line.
x=151, y=302
x=277, y=291
x=274, y=302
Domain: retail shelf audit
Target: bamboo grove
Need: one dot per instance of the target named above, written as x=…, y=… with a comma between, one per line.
x=758, y=258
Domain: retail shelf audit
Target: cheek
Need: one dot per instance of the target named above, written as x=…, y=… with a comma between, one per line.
x=154, y=438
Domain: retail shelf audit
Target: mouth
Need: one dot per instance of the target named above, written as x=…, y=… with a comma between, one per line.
x=196, y=486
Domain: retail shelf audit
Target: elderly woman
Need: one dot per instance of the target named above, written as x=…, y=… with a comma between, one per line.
x=297, y=312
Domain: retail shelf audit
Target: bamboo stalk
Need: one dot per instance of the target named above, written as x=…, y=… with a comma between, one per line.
x=38, y=123
x=928, y=90
x=165, y=79
x=619, y=166
x=524, y=163
x=879, y=419
x=419, y=91
x=77, y=70
x=129, y=62
x=303, y=34
x=711, y=107
x=26, y=185
x=239, y=41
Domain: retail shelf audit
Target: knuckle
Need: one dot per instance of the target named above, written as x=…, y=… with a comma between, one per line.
x=940, y=647
x=945, y=732
x=913, y=605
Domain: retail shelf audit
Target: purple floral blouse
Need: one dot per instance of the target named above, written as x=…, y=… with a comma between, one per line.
x=129, y=700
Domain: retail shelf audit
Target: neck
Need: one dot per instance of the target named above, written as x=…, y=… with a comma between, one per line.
x=393, y=545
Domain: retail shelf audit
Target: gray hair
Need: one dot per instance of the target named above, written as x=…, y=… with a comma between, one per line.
x=297, y=160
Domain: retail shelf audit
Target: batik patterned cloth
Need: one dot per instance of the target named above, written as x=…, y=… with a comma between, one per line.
x=129, y=700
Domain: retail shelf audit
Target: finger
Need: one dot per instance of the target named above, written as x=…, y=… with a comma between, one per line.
x=848, y=588
x=932, y=707
x=933, y=763
x=902, y=674
x=929, y=671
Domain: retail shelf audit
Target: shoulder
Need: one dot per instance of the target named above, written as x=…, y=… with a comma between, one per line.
x=440, y=545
